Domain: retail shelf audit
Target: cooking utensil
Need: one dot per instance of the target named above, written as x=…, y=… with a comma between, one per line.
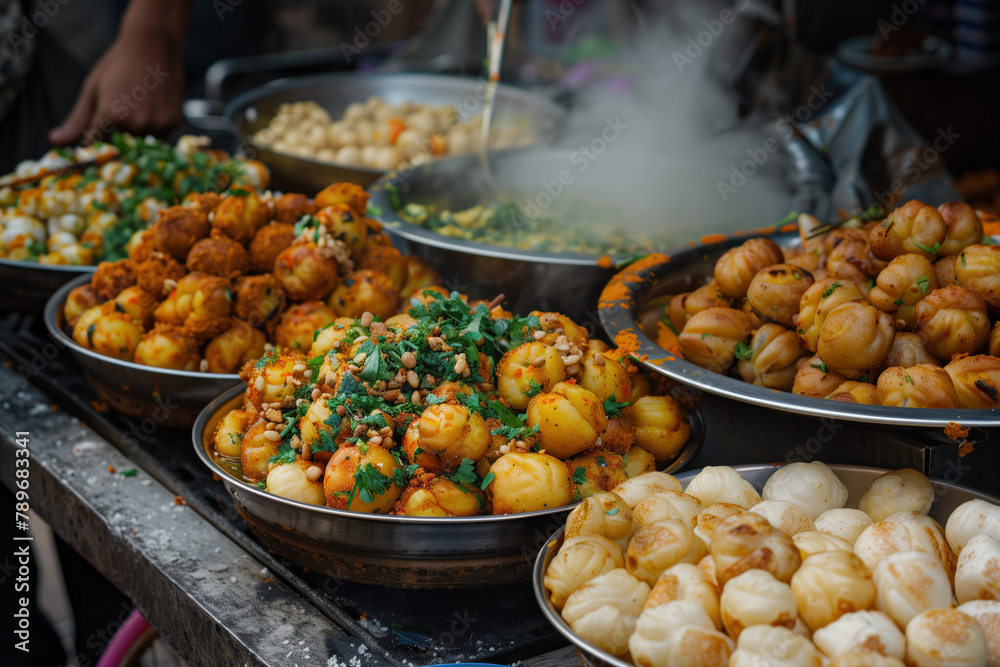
x=687, y=269
x=167, y=397
x=254, y=109
x=856, y=478
x=394, y=551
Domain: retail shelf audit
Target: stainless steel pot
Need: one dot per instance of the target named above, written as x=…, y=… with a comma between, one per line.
x=856, y=478
x=168, y=397
x=394, y=551
x=687, y=269
x=254, y=109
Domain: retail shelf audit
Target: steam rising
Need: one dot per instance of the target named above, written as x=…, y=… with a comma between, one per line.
x=658, y=141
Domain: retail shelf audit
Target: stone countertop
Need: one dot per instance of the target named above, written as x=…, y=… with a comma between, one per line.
x=210, y=599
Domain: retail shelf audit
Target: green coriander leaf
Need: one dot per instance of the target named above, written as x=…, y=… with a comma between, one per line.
x=580, y=475
x=131, y=472
x=486, y=480
x=831, y=289
x=534, y=388
x=743, y=351
x=924, y=283
x=613, y=407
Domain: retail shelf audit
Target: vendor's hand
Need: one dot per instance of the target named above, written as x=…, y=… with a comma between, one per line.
x=136, y=86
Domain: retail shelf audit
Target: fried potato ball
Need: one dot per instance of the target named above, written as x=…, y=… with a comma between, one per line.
x=944, y=269
x=851, y=258
x=290, y=207
x=830, y=584
x=965, y=228
x=911, y=228
x=774, y=353
x=747, y=541
x=603, y=514
x=306, y=272
x=365, y=290
x=299, y=323
x=444, y=435
x=260, y=300
x=345, y=225
x=218, y=255
x=709, y=339
x=735, y=270
x=855, y=338
x=902, y=284
x=580, y=559
x=814, y=378
x=166, y=346
x=235, y=346
x=257, y=450
x=603, y=470
x=817, y=303
x=292, y=481
x=569, y=419
x=619, y=437
x=952, y=320
x=684, y=306
x=946, y=636
x=349, y=194
x=776, y=290
x=660, y=426
x=201, y=303
x=177, y=229
x=525, y=368
x=361, y=481
x=228, y=436
x=976, y=381
x=659, y=545
x=110, y=278
x=331, y=337
x=267, y=243
x=556, y=324
x=907, y=350
x=920, y=386
x=158, y=274
x=978, y=268
x=112, y=333
x=527, y=481
x=273, y=379
x=388, y=260
x=79, y=299
x=442, y=497
x=240, y=216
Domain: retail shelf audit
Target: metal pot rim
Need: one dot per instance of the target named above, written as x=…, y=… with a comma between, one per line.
x=244, y=100
x=618, y=313
x=206, y=416
x=555, y=619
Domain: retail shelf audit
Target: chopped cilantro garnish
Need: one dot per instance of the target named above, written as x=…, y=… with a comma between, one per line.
x=486, y=480
x=924, y=283
x=131, y=472
x=933, y=251
x=743, y=351
x=368, y=483
x=266, y=360
x=821, y=366
x=465, y=473
x=831, y=289
x=534, y=388
x=612, y=407
x=580, y=475
x=898, y=302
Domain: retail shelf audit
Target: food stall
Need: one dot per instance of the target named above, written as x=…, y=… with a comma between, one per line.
x=609, y=356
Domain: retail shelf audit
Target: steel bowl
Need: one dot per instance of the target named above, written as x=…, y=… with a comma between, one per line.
x=857, y=479
x=687, y=269
x=393, y=551
x=28, y=285
x=169, y=397
x=566, y=282
x=253, y=110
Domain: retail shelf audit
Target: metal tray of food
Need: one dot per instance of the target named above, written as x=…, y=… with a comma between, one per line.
x=687, y=269
x=167, y=397
x=253, y=110
x=856, y=478
x=387, y=550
